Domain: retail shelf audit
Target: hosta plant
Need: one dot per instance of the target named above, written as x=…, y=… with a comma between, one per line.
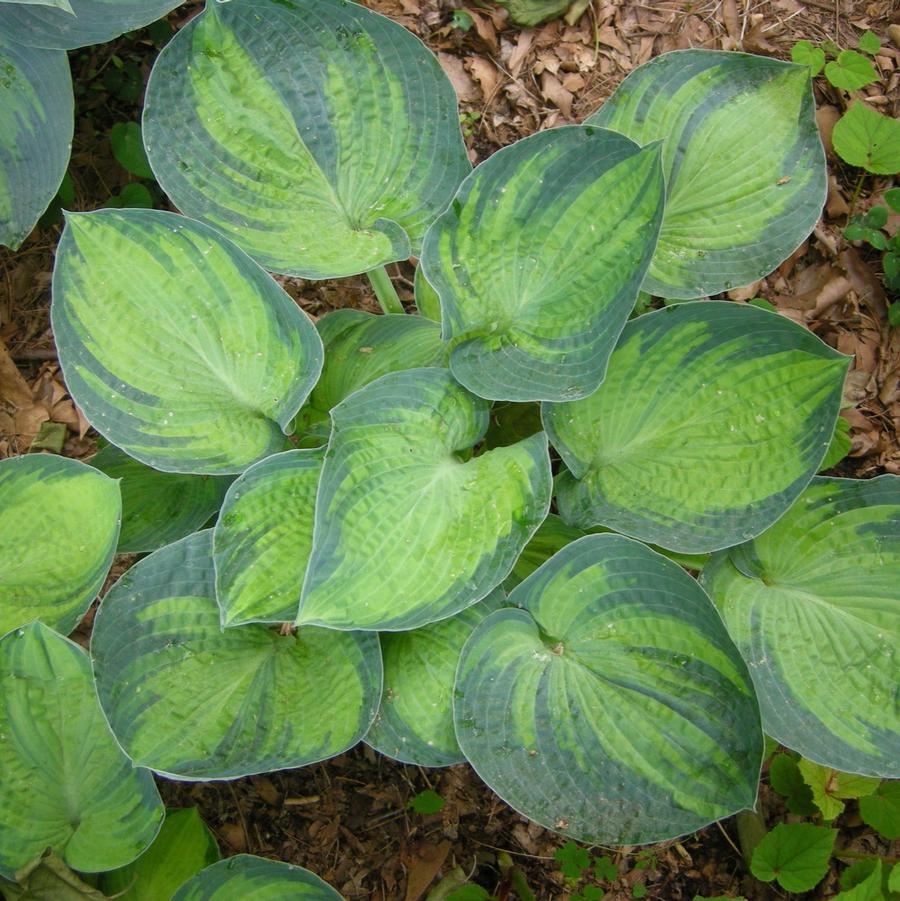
x=434, y=536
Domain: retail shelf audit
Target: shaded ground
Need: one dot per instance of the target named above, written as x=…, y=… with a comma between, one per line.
x=348, y=819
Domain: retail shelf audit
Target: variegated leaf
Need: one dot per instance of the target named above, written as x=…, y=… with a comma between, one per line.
x=406, y=532
x=36, y=121
x=712, y=419
x=176, y=345
x=187, y=699
x=321, y=137
x=539, y=258
x=64, y=782
x=612, y=707
x=814, y=607
x=745, y=169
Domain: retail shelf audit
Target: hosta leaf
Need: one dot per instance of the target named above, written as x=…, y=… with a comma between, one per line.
x=59, y=521
x=182, y=849
x=187, y=699
x=36, y=121
x=64, y=783
x=319, y=136
x=812, y=603
x=175, y=344
x=612, y=707
x=539, y=258
x=406, y=533
x=361, y=347
x=59, y=4
x=248, y=877
x=866, y=138
x=158, y=507
x=712, y=419
x=262, y=540
x=415, y=720
x=739, y=199
x=89, y=22
x=795, y=854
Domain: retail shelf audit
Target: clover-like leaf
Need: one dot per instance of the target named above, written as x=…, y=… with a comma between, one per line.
x=712, y=419
x=361, y=347
x=805, y=53
x=185, y=698
x=36, y=122
x=77, y=23
x=612, y=707
x=406, y=533
x=262, y=540
x=64, y=782
x=539, y=258
x=321, y=137
x=59, y=522
x=812, y=604
x=176, y=345
x=868, y=139
x=739, y=197
x=414, y=723
x=796, y=854
x=158, y=507
x=881, y=810
x=182, y=849
x=246, y=876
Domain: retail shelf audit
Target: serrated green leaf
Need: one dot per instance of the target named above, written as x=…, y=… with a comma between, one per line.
x=262, y=540
x=533, y=12
x=738, y=201
x=175, y=344
x=712, y=419
x=134, y=196
x=89, y=22
x=539, y=258
x=36, y=123
x=805, y=54
x=894, y=880
x=361, y=347
x=187, y=699
x=866, y=138
x=158, y=507
x=427, y=802
x=881, y=810
x=850, y=71
x=612, y=707
x=820, y=782
x=892, y=199
x=59, y=522
x=182, y=849
x=414, y=723
x=407, y=534
x=64, y=782
x=812, y=604
x=795, y=854
x=125, y=139
x=245, y=876
x=319, y=136
x=786, y=779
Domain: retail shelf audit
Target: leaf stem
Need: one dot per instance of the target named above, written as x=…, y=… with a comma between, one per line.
x=384, y=290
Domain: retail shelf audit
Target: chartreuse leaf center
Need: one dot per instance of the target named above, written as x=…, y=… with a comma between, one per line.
x=406, y=533
x=321, y=137
x=612, y=706
x=710, y=422
x=64, y=782
x=739, y=200
x=255, y=700
x=177, y=346
x=812, y=604
x=59, y=523
x=539, y=258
